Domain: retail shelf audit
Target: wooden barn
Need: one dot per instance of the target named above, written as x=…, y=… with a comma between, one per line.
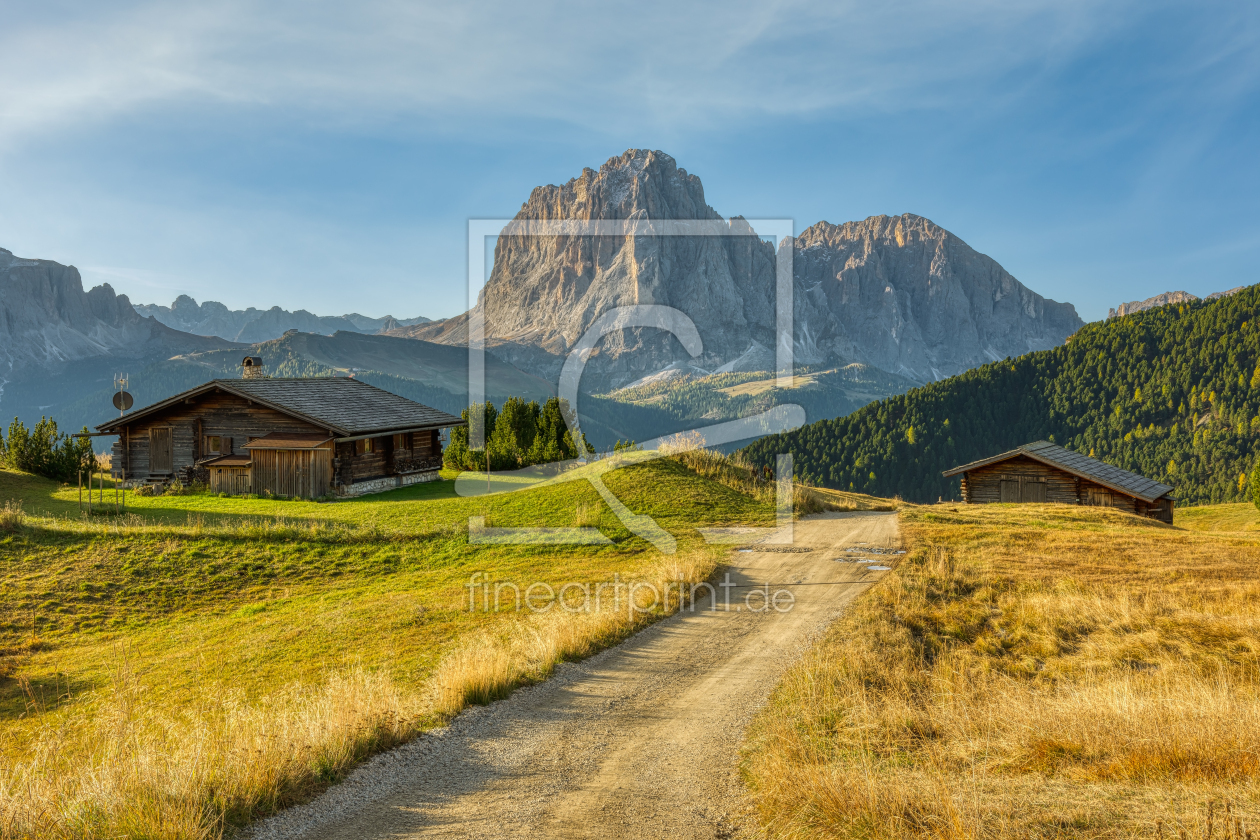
x=1044, y=472
x=289, y=438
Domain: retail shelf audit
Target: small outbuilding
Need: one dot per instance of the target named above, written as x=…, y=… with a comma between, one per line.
x=1045, y=472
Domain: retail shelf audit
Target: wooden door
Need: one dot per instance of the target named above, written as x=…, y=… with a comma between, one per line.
x=1034, y=490
x=161, y=450
x=1010, y=489
x=1099, y=496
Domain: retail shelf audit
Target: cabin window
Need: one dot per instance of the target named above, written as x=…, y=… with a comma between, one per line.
x=214, y=444
x=363, y=447
x=402, y=441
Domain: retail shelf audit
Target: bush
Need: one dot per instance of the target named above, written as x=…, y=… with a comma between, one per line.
x=45, y=451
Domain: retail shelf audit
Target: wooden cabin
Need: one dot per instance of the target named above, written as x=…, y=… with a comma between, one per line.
x=307, y=438
x=1044, y=472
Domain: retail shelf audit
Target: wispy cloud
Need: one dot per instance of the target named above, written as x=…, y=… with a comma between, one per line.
x=592, y=64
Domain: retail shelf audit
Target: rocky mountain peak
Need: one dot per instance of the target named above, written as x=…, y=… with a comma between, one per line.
x=898, y=293
x=637, y=181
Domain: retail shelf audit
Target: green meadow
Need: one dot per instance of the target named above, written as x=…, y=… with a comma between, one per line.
x=185, y=601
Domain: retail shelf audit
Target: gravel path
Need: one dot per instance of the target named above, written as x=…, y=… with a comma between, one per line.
x=640, y=741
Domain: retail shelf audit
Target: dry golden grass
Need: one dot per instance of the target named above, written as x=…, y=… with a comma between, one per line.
x=1026, y=671
x=137, y=769
x=11, y=516
x=844, y=500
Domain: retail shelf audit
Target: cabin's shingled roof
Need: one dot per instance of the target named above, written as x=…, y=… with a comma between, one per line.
x=1080, y=465
x=347, y=407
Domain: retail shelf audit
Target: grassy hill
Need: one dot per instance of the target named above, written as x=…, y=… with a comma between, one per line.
x=1029, y=671
x=1171, y=393
x=203, y=660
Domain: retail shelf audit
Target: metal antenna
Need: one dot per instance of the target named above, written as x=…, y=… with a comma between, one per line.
x=122, y=400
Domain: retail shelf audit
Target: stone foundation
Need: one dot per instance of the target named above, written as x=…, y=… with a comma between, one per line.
x=389, y=482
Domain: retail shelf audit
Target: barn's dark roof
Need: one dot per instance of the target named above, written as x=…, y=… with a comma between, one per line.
x=346, y=407
x=1077, y=464
x=238, y=460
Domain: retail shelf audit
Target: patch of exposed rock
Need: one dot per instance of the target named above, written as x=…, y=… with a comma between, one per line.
x=1164, y=300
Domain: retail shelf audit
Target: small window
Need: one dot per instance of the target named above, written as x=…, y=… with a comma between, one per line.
x=364, y=446
x=402, y=441
x=214, y=444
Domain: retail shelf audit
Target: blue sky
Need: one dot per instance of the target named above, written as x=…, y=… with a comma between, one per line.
x=327, y=156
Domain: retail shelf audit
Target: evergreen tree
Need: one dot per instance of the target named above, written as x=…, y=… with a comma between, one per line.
x=45, y=451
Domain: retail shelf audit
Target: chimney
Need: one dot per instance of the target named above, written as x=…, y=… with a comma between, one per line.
x=252, y=368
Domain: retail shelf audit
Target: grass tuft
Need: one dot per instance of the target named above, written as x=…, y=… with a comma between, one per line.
x=11, y=517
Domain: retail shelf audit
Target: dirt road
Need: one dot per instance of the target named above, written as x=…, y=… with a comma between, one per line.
x=640, y=741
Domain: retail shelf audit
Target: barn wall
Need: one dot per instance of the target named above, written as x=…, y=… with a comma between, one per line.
x=984, y=485
x=226, y=415
x=231, y=480
x=1099, y=496
x=304, y=473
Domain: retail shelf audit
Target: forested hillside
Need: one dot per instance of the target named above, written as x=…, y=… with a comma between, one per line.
x=1172, y=393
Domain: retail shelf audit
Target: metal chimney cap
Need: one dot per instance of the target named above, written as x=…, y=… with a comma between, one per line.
x=252, y=361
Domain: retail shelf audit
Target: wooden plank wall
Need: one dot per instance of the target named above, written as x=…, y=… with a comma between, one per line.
x=304, y=473
x=984, y=485
x=372, y=464
x=231, y=480
x=216, y=414
x=351, y=466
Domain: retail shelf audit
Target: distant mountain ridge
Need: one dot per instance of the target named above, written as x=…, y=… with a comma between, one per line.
x=1164, y=300
x=58, y=341
x=254, y=325
x=47, y=318
x=896, y=292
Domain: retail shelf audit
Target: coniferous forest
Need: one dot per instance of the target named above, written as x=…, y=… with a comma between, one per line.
x=1171, y=393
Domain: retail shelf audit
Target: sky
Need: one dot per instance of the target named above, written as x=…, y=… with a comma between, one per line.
x=328, y=156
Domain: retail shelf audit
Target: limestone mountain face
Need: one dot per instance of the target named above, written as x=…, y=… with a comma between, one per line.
x=48, y=319
x=899, y=293
x=254, y=325
x=544, y=292
x=906, y=295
